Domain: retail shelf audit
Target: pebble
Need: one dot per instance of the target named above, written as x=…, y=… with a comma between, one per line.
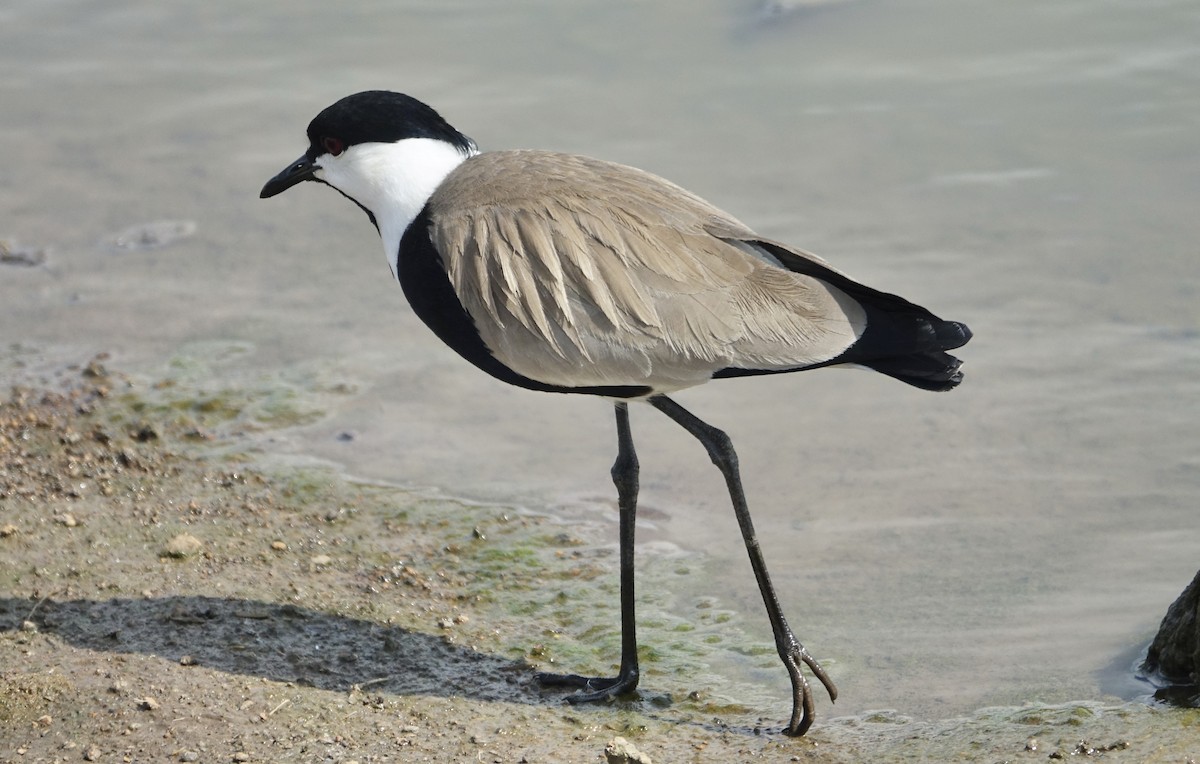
x=321, y=560
x=8, y=530
x=66, y=519
x=621, y=751
x=183, y=545
x=91, y=754
x=144, y=433
x=189, y=756
x=278, y=546
x=12, y=253
x=159, y=233
x=147, y=704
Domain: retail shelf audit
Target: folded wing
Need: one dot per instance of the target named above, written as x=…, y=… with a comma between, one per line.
x=591, y=273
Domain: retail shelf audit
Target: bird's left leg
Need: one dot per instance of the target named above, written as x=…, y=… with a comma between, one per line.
x=793, y=654
x=625, y=477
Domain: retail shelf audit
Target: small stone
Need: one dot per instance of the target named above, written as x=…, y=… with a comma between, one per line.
x=66, y=519
x=12, y=253
x=189, y=756
x=45, y=721
x=153, y=235
x=183, y=545
x=147, y=704
x=187, y=660
x=8, y=530
x=91, y=754
x=1031, y=744
x=29, y=626
x=333, y=515
x=279, y=546
x=321, y=560
x=241, y=756
x=144, y=433
x=621, y=751
x=95, y=367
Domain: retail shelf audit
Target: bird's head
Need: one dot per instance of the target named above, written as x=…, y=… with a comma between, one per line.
x=383, y=150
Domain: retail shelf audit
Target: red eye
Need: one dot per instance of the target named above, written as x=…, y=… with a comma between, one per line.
x=333, y=145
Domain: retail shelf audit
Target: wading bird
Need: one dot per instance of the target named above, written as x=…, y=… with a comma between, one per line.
x=567, y=274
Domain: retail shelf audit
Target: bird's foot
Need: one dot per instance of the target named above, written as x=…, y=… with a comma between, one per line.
x=803, y=705
x=592, y=689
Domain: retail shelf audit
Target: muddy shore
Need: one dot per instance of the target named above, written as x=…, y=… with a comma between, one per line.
x=169, y=594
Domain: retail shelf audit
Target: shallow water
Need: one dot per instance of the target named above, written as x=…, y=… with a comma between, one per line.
x=1028, y=167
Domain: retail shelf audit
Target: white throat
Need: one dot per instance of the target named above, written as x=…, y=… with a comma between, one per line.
x=392, y=180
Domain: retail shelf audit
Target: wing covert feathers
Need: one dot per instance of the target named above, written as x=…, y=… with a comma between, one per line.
x=582, y=272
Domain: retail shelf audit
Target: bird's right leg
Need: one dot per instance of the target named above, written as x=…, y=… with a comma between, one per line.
x=625, y=476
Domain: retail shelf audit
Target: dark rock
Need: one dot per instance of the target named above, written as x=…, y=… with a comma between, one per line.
x=1173, y=661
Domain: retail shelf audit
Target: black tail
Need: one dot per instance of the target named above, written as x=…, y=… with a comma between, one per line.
x=911, y=348
x=902, y=340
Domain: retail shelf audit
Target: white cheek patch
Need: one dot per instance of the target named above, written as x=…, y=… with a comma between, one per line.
x=392, y=180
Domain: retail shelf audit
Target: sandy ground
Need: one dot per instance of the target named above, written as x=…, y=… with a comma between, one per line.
x=165, y=595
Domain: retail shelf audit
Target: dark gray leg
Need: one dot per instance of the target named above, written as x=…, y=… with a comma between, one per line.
x=793, y=654
x=625, y=476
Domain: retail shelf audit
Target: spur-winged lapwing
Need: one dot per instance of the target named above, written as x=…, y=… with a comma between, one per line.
x=567, y=274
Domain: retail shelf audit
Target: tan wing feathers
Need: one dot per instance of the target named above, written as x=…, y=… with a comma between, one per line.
x=472, y=265
x=537, y=238
x=562, y=260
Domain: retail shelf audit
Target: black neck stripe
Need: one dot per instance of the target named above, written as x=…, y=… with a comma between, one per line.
x=431, y=295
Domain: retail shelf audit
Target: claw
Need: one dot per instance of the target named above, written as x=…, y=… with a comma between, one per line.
x=592, y=689
x=803, y=705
